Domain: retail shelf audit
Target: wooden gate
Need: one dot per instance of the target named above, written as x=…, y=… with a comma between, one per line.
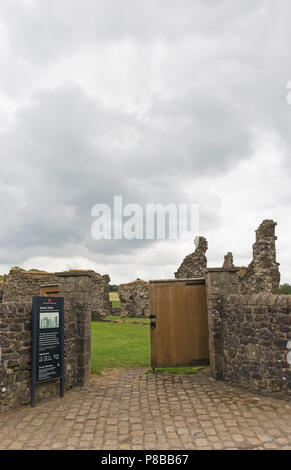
x=179, y=327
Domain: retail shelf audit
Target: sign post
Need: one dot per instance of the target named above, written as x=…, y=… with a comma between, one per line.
x=47, y=342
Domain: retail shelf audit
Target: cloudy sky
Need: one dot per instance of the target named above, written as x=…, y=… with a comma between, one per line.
x=163, y=101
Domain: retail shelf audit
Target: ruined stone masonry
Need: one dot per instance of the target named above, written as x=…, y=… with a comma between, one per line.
x=228, y=261
x=100, y=304
x=20, y=285
x=15, y=341
x=262, y=274
x=255, y=331
x=249, y=334
x=249, y=322
x=194, y=265
x=134, y=299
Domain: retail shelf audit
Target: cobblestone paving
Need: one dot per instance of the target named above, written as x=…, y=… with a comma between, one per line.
x=130, y=410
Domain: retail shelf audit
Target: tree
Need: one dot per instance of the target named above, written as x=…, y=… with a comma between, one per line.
x=285, y=289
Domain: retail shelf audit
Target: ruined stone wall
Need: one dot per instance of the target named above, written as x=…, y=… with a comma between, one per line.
x=99, y=300
x=134, y=299
x=15, y=343
x=100, y=304
x=249, y=334
x=262, y=274
x=256, y=342
x=194, y=265
x=20, y=285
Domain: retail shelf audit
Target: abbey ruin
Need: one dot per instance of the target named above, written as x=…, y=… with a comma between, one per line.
x=261, y=275
x=249, y=324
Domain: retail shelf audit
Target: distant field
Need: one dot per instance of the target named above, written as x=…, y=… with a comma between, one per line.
x=114, y=298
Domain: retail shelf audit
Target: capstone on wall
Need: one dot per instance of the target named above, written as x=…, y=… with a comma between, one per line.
x=134, y=299
x=194, y=265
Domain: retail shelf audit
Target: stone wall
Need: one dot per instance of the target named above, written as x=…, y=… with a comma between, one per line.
x=20, y=285
x=15, y=341
x=256, y=338
x=249, y=334
x=194, y=265
x=134, y=299
x=219, y=281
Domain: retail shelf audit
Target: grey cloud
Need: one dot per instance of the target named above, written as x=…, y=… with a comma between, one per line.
x=61, y=159
x=220, y=84
x=42, y=31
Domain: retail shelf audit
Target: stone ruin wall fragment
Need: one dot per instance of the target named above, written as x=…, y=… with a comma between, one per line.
x=195, y=264
x=134, y=299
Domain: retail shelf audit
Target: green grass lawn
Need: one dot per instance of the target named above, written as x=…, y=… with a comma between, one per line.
x=117, y=345
x=117, y=317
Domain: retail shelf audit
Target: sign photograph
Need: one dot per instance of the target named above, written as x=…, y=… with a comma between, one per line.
x=49, y=320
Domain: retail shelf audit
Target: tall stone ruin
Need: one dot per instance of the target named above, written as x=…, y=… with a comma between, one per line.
x=195, y=264
x=262, y=274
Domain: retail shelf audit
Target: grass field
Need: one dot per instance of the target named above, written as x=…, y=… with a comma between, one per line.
x=127, y=319
x=117, y=345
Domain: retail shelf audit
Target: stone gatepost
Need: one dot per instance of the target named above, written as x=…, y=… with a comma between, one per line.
x=75, y=287
x=219, y=281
